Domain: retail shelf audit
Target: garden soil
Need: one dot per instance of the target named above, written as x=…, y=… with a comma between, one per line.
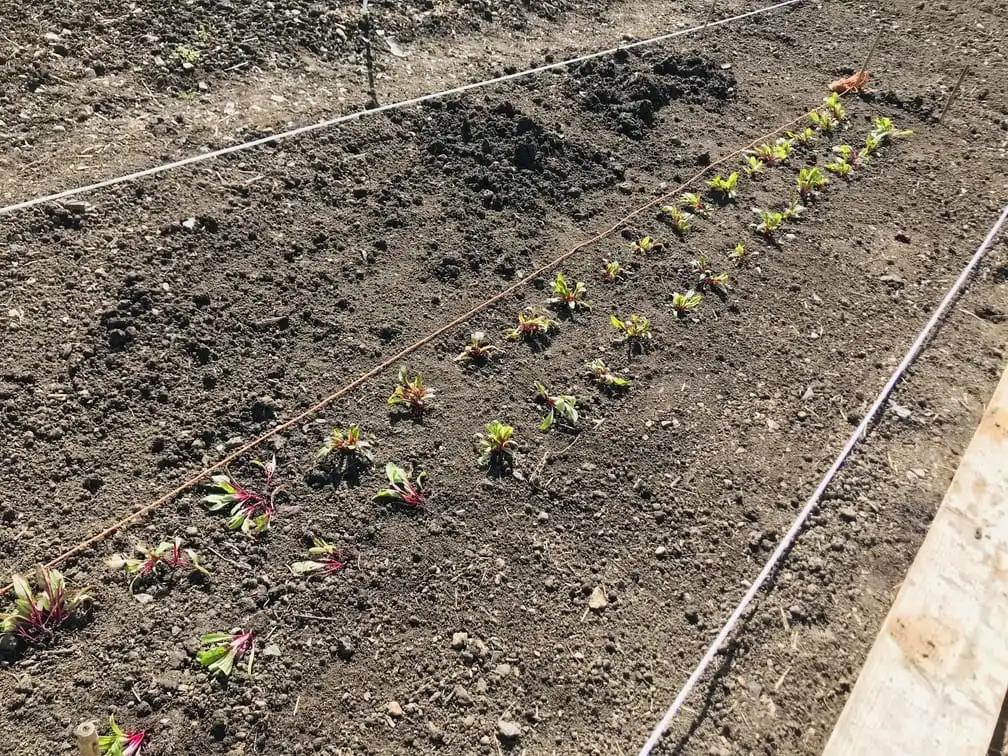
x=150, y=329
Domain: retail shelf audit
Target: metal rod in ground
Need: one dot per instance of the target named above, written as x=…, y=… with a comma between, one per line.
x=953, y=93
x=87, y=739
x=710, y=16
x=871, y=52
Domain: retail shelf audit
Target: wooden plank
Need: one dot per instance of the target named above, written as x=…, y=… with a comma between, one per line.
x=937, y=674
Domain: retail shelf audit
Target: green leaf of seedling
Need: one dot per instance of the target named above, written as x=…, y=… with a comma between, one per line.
x=211, y=639
x=216, y=502
x=303, y=568
x=210, y=656
x=21, y=588
x=224, y=665
x=547, y=422
x=194, y=559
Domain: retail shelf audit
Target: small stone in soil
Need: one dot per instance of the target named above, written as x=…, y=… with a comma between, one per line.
x=394, y=710
x=508, y=731
x=597, y=601
x=459, y=640
x=345, y=648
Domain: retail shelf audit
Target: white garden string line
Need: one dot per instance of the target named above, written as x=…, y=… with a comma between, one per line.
x=358, y=114
x=857, y=435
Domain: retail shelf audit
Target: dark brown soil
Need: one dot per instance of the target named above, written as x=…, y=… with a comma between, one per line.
x=189, y=314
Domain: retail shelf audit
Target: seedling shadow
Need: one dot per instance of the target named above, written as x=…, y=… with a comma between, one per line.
x=402, y=415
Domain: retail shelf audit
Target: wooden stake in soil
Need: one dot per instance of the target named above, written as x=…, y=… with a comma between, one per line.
x=871, y=52
x=710, y=16
x=87, y=739
x=953, y=93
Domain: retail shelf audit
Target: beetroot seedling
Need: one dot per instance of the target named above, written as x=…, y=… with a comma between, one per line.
x=411, y=494
x=695, y=204
x=328, y=559
x=167, y=554
x=810, y=181
x=635, y=331
x=251, y=511
x=741, y=256
x=531, y=326
x=835, y=106
x=479, y=349
x=224, y=649
x=724, y=188
x=804, y=137
x=840, y=167
x=120, y=743
x=707, y=279
x=645, y=246
x=825, y=122
x=613, y=271
x=346, y=447
x=606, y=379
x=884, y=131
x=411, y=393
x=769, y=223
x=679, y=219
x=497, y=446
x=794, y=210
x=39, y=614
x=562, y=408
x=683, y=304
x=567, y=298
x=753, y=167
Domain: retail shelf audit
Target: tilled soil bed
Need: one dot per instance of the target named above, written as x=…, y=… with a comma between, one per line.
x=556, y=610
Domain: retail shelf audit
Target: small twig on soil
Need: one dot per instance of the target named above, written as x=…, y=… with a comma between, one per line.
x=952, y=94
x=972, y=314
x=223, y=558
x=317, y=618
x=297, y=703
x=780, y=680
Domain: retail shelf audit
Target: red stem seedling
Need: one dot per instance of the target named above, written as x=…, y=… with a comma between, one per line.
x=479, y=349
x=635, y=331
x=679, y=219
x=224, y=649
x=695, y=204
x=531, y=326
x=251, y=511
x=724, y=189
x=411, y=393
x=613, y=271
x=348, y=448
x=497, y=446
x=741, y=256
x=412, y=494
x=39, y=614
x=329, y=559
x=646, y=246
x=561, y=408
x=606, y=379
x=120, y=743
x=707, y=279
x=167, y=554
x=567, y=298
x=683, y=304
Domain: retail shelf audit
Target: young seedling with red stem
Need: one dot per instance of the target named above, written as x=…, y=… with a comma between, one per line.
x=613, y=271
x=497, y=446
x=532, y=326
x=635, y=331
x=346, y=449
x=646, y=245
x=479, y=349
x=411, y=393
x=224, y=649
x=251, y=511
x=567, y=298
x=683, y=304
x=724, y=189
x=39, y=614
x=411, y=494
x=328, y=559
x=167, y=554
x=606, y=379
x=120, y=743
x=679, y=219
x=707, y=279
x=561, y=408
